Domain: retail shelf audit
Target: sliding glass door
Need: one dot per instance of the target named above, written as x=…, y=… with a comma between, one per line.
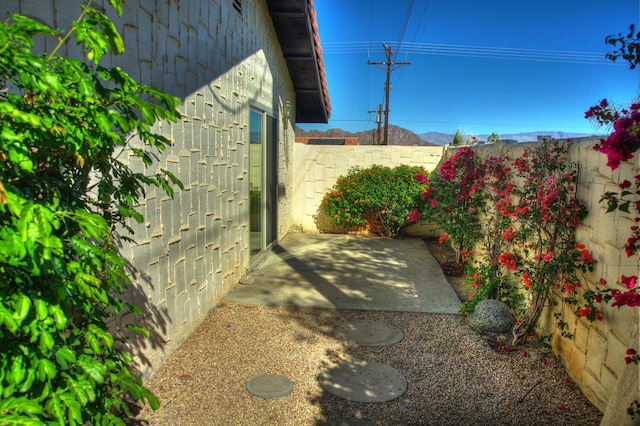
x=263, y=178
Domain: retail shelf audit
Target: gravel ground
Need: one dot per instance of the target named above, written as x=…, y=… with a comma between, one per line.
x=454, y=375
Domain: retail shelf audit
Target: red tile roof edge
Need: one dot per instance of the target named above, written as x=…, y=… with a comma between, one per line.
x=322, y=74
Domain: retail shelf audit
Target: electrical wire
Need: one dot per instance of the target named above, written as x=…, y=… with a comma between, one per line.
x=508, y=53
x=404, y=29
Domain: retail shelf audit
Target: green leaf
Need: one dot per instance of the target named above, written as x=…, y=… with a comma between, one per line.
x=46, y=370
x=7, y=319
x=93, y=368
x=59, y=318
x=46, y=342
x=22, y=307
x=110, y=32
x=74, y=407
x=18, y=115
x=42, y=310
x=64, y=357
x=54, y=408
x=82, y=390
x=154, y=402
x=28, y=382
x=19, y=420
x=173, y=178
x=117, y=5
x=18, y=370
x=624, y=207
x=19, y=405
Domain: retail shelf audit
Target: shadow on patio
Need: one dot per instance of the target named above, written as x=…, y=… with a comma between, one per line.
x=350, y=272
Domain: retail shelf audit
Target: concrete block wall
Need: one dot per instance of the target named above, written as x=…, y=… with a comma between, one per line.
x=595, y=357
x=317, y=168
x=192, y=249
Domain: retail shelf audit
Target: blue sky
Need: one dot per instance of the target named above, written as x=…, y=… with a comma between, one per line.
x=503, y=66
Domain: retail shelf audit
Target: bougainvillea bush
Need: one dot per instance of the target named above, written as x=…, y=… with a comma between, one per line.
x=522, y=216
x=65, y=126
x=391, y=195
x=454, y=199
x=545, y=213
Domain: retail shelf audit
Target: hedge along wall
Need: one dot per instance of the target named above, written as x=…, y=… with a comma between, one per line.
x=318, y=167
x=594, y=358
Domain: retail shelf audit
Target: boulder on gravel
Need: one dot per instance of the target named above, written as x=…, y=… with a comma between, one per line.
x=492, y=315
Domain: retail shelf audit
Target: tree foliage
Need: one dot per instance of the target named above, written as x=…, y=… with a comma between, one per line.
x=66, y=193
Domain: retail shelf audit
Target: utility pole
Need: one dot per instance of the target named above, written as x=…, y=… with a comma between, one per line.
x=387, y=87
x=379, y=121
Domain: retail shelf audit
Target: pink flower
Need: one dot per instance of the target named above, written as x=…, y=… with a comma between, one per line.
x=547, y=257
x=625, y=184
x=421, y=178
x=444, y=237
x=630, y=282
x=561, y=406
x=414, y=216
x=434, y=203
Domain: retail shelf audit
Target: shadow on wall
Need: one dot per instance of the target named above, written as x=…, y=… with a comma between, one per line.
x=141, y=313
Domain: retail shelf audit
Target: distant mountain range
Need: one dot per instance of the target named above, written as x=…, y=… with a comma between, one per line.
x=436, y=138
x=403, y=137
x=397, y=136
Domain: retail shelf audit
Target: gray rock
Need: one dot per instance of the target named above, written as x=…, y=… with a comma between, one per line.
x=492, y=315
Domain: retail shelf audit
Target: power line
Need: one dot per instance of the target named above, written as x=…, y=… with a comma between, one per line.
x=404, y=29
x=595, y=58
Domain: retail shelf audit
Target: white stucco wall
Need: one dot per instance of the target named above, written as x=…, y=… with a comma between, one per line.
x=192, y=249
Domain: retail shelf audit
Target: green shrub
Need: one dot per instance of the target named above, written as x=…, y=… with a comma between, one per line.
x=390, y=194
x=64, y=194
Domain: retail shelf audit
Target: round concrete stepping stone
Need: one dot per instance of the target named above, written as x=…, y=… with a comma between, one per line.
x=270, y=386
x=364, y=381
x=368, y=333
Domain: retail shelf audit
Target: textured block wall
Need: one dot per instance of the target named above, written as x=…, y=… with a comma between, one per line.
x=192, y=249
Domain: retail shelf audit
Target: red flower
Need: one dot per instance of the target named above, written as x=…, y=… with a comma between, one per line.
x=585, y=255
x=444, y=237
x=508, y=260
x=583, y=312
x=630, y=282
x=527, y=281
x=508, y=234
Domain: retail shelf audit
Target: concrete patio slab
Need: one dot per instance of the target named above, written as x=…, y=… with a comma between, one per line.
x=349, y=272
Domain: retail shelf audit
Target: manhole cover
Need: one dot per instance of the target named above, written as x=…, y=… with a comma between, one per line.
x=270, y=386
x=368, y=333
x=364, y=381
